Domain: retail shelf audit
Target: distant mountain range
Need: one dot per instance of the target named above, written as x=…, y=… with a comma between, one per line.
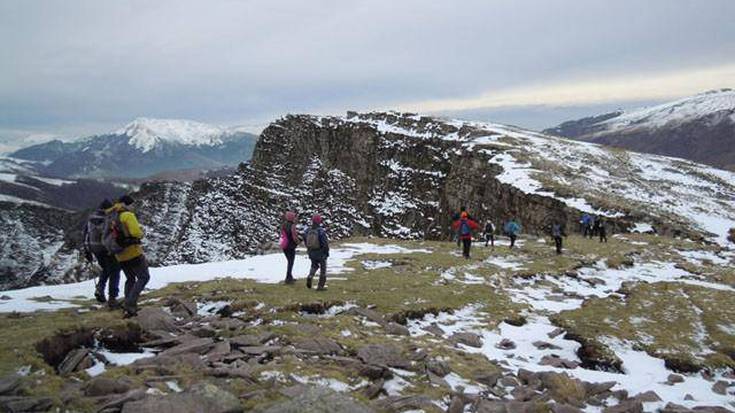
x=143, y=148
x=699, y=128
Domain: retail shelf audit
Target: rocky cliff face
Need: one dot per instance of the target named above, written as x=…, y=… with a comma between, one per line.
x=403, y=176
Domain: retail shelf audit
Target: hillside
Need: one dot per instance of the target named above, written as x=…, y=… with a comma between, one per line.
x=402, y=176
x=700, y=128
x=143, y=148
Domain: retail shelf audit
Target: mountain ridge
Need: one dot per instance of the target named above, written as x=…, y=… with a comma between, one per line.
x=699, y=128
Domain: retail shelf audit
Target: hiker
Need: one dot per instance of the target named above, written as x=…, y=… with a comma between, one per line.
x=289, y=241
x=464, y=227
x=512, y=228
x=591, y=227
x=489, y=233
x=586, y=225
x=456, y=217
x=557, y=232
x=124, y=236
x=601, y=229
x=317, y=245
x=94, y=249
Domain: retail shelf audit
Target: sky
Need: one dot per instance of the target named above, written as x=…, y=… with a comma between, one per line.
x=73, y=68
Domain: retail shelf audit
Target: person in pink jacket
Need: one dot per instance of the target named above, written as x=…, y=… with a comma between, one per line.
x=289, y=241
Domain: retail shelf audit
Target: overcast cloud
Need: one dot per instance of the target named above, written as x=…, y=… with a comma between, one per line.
x=77, y=67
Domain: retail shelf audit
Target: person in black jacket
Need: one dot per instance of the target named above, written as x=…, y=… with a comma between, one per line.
x=489, y=233
x=94, y=249
x=557, y=232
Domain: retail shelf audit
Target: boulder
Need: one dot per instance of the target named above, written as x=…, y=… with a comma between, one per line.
x=155, y=319
x=317, y=399
x=675, y=408
x=103, y=386
x=558, y=362
x=468, y=339
x=564, y=389
x=373, y=389
x=674, y=379
x=564, y=408
x=438, y=367
x=626, y=406
x=489, y=379
x=10, y=384
x=543, y=345
x=434, y=329
x=506, y=344
x=383, y=355
x=74, y=361
x=25, y=404
x=401, y=403
x=318, y=345
x=396, y=329
x=371, y=315
x=494, y=406
x=648, y=397
x=203, y=397
x=196, y=346
x=720, y=387
x=251, y=340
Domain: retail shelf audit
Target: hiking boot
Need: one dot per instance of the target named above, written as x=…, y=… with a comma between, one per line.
x=100, y=296
x=112, y=304
x=289, y=281
x=129, y=312
x=308, y=282
x=321, y=288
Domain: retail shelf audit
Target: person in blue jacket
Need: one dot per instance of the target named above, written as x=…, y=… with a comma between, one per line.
x=512, y=228
x=317, y=246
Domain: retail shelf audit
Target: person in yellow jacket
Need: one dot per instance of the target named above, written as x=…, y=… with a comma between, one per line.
x=131, y=259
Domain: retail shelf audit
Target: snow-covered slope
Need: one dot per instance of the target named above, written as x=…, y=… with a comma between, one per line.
x=143, y=148
x=146, y=133
x=700, y=128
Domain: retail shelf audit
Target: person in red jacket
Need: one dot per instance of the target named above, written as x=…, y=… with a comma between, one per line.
x=464, y=227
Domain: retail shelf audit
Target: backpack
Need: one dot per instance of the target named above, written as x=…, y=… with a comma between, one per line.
x=94, y=233
x=313, y=241
x=113, y=233
x=464, y=228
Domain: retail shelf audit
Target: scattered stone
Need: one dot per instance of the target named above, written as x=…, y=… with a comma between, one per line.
x=556, y=332
x=317, y=399
x=495, y=406
x=204, y=331
x=74, y=361
x=230, y=324
x=564, y=408
x=594, y=389
x=506, y=344
x=203, y=397
x=396, y=329
x=438, y=367
x=25, y=404
x=434, y=329
x=489, y=379
x=401, y=403
x=373, y=389
x=675, y=408
x=155, y=319
x=10, y=384
x=564, y=389
x=674, y=379
x=688, y=397
x=558, y=362
x=6, y=297
x=517, y=321
x=648, y=397
x=232, y=372
x=371, y=315
x=197, y=346
x=720, y=387
x=468, y=339
x=251, y=340
x=318, y=345
x=543, y=345
x=509, y=381
x=103, y=386
x=681, y=364
x=383, y=355
x=524, y=393
x=456, y=405
x=258, y=350
x=182, y=308
x=626, y=406
x=596, y=356
x=374, y=372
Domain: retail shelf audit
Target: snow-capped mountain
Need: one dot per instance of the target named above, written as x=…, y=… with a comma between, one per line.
x=699, y=128
x=402, y=176
x=142, y=148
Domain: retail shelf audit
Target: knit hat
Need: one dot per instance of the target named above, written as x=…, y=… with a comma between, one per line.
x=127, y=200
x=317, y=219
x=106, y=204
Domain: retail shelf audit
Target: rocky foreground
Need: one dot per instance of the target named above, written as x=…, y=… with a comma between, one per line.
x=643, y=323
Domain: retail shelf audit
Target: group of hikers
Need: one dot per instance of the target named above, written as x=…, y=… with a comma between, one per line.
x=112, y=236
